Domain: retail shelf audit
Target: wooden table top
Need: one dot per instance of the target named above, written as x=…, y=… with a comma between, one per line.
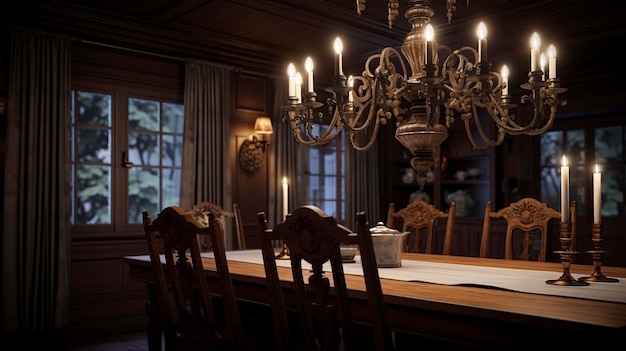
x=473, y=315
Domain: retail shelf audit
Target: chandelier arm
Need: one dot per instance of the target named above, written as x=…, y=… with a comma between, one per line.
x=370, y=142
x=481, y=132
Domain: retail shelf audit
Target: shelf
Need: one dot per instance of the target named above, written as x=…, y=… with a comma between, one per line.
x=466, y=182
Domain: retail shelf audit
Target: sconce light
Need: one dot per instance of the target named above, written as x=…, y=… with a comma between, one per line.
x=252, y=150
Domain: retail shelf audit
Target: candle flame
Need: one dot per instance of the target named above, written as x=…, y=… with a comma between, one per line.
x=597, y=168
x=564, y=160
x=284, y=180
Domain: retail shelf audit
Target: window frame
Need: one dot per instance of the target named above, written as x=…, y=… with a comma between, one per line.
x=588, y=123
x=105, y=71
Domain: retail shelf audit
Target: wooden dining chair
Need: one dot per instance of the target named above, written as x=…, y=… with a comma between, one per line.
x=241, y=235
x=191, y=319
x=420, y=217
x=529, y=217
x=325, y=316
x=201, y=212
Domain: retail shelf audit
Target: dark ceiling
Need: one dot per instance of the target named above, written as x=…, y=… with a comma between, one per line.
x=264, y=36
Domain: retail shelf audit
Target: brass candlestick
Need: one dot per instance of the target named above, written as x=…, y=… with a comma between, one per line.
x=566, y=258
x=596, y=254
x=284, y=253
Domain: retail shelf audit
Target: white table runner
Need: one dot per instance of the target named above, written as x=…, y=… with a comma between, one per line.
x=527, y=281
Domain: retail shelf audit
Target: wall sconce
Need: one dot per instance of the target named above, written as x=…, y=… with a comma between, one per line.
x=252, y=150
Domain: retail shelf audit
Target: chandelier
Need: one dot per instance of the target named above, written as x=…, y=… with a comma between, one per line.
x=442, y=84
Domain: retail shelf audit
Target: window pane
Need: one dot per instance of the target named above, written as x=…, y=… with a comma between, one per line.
x=173, y=118
x=143, y=192
x=159, y=146
x=93, y=109
x=172, y=150
x=551, y=148
x=613, y=191
x=608, y=144
x=94, y=145
x=93, y=195
x=144, y=114
x=171, y=187
x=91, y=158
x=321, y=175
x=143, y=149
x=576, y=146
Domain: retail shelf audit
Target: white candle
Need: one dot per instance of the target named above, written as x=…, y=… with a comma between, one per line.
x=429, y=34
x=308, y=66
x=564, y=191
x=338, y=45
x=535, y=43
x=597, y=195
x=552, y=61
x=505, y=80
x=285, y=197
x=481, y=32
x=299, y=87
x=291, y=72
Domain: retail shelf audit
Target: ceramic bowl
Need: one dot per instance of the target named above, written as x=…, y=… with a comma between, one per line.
x=348, y=252
x=474, y=172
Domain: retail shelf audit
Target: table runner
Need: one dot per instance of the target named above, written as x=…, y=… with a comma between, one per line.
x=520, y=280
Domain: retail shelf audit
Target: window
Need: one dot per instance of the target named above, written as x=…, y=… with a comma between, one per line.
x=600, y=142
x=321, y=171
x=153, y=161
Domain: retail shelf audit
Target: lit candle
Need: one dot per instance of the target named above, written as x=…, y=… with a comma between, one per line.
x=429, y=34
x=535, y=43
x=481, y=32
x=505, y=80
x=564, y=191
x=338, y=50
x=285, y=197
x=291, y=72
x=351, y=85
x=597, y=195
x=552, y=61
x=299, y=86
x=308, y=66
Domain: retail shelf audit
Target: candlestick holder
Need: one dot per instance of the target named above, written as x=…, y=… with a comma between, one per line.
x=284, y=253
x=566, y=258
x=596, y=254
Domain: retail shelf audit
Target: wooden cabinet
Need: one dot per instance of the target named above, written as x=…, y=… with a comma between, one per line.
x=460, y=172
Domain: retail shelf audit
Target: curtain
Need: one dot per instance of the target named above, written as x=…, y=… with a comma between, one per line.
x=206, y=173
x=35, y=240
x=362, y=183
x=284, y=160
x=206, y=169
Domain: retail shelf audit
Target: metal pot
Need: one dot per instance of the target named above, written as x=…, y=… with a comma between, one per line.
x=388, y=245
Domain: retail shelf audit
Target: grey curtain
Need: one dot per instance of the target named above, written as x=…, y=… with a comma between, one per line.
x=35, y=239
x=206, y=167
x=284, y=160
x=362, y=183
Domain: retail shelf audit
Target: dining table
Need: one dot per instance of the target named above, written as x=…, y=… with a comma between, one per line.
x=479, y=303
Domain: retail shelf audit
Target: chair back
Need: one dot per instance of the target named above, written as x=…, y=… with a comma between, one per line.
x=241, y=235
x=528, y=216
x=420, y=217
x=190, y=320
x=201, y=212
x=324, y=312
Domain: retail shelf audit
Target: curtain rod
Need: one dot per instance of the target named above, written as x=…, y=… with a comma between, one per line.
x=177, y=58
